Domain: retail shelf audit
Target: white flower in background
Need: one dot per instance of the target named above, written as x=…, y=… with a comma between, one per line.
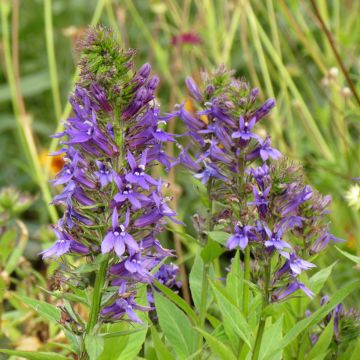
x=353, y=196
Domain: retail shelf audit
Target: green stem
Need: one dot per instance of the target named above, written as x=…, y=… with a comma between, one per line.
x=204, y=293
x=261, y=328
x=52, y=58
x=96, y=298
x=205, y=281
x=246, y=290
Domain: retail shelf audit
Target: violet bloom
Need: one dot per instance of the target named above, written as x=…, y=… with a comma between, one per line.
x=261, y=175
x=118, y=237
x=261, y=201
x=275, y=239
x=160, y=135
x=210, y=171
x=241, y=237
x=193, y=89
x=125, y=305
x=295, y=199
x=265, y=151
x=263, y=110
x=104, y=174
x=138, y=174
x=64, y=244
x=294, y=265
x=245, y=128
x=290, y=289
x=127, y=193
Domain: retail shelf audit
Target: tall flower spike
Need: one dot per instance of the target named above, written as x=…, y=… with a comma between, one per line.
x=111, y=141
x=260, y=198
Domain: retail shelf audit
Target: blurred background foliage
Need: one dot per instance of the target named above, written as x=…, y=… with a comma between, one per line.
x=280, y=46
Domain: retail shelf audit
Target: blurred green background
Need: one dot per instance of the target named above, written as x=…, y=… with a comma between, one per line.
x=284, y=47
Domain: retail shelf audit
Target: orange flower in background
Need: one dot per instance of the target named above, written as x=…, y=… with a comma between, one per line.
x=56, y=162
x=189, y=107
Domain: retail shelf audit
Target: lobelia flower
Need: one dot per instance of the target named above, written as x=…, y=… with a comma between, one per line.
x=250, y=182
x=114, y=208
x=118, y=237
x=241, y=237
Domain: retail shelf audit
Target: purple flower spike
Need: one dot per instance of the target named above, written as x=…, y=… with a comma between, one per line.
x=107, y=174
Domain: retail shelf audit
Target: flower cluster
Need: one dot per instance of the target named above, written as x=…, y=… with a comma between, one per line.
x=114, y=207
x=346, y=323
x=259, y=197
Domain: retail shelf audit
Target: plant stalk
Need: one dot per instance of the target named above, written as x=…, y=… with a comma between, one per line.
x=261, y=328
x=205, y=281
x=246, y=290
x=97, y=295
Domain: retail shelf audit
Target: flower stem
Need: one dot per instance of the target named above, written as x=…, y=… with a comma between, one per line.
x=205, y=281
x=246, y=290
x=261, y=328
x=96, y=298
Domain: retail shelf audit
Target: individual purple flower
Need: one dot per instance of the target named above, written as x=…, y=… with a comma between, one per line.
x=265, y=151
x=322, y=241
x=244, y=132
x=104, y=174
x=124, y=305
x=210, y=171
x=294, y=198
x=64, y=244
x=264, y=109
x=118, y=237
x=275, y=239
x=261, y=201
x=290, y=289
x=241, y=237
x=261, y=175
x=138, y=174
x=193, y=89
x=294, y=265
x=160, y=135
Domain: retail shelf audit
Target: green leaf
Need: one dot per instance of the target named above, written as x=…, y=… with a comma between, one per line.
x=217, y=347
x=176, y=327
x=13, y=260
x=219, y=236
x=211, y=251
x=232, y=315
x=123, y=341
x=128, y=338
x=196, y=281
x=34, y=355
x=321, y=346
x=161, y=350
x=272, y=335
x=94, y=346
x=7, y=242
x=46, y=310
x=86, y=268
x=318, y=280
x=234, y=281
x=353, y=258
x=180, y=302
x=318, y=315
